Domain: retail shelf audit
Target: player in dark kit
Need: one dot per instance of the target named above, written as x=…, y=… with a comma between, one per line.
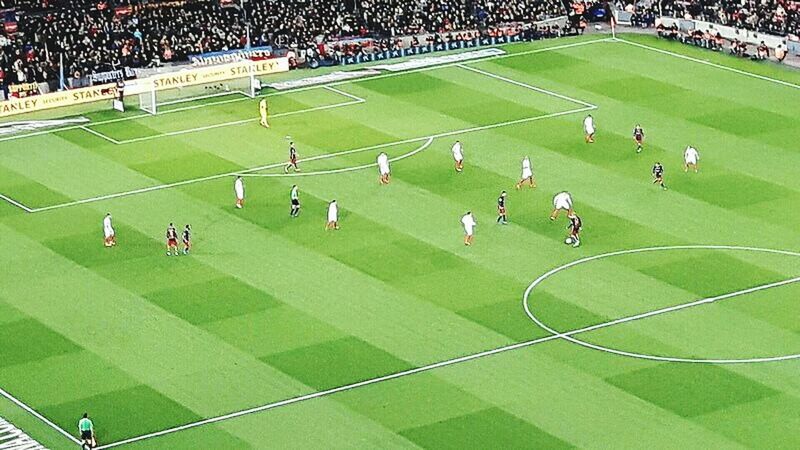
x=187, y=239
x=292, y=159
x=638, y=137
x=172, y=240
x=575, y=225
x=501, y=209
x=658, y=175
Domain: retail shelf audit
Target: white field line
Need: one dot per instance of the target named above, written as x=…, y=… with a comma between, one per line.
x=346, y=169
x=452, y=64
x=100, y=135
x=42, y=418
x=281, y=164
x=203, y=97
x=445, y=363
x=388, y=377
x=16, y=203
x=423, y=69
x=319, y=86
x=125, y=119
x=345, y=94
x=526, y=86
x=347, y=387
x=181, y=109
x=689, y=305
x=708, y=63
x=355, y=101
x=568, y=337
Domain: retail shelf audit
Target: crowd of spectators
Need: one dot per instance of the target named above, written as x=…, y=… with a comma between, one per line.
x=780, y=17
x=775, y=17
x=714, y=41
x=92, y=36
x=337, y=51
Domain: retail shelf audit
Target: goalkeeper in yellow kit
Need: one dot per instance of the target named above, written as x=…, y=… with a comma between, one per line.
x=263, y=109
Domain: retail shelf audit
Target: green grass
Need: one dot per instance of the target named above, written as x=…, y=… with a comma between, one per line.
x=268, y=307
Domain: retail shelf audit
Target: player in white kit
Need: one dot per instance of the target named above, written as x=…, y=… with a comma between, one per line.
x=468, y=221
x=294, y=197
x=383, y=168
x=333, y=216
x=690, y=159
x=238, y=189
x=588, y=128
x=527, y=174
x=562, y=201
x=110, y=238
x=458, y=156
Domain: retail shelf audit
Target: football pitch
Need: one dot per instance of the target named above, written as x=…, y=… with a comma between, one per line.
x=676, y=323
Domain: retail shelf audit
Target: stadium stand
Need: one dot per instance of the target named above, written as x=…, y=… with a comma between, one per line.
x=92, y=36
x=97, y=36
x=769, y=16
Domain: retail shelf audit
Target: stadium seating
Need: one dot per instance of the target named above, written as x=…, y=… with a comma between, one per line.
x=94, y=36
x=768, y=16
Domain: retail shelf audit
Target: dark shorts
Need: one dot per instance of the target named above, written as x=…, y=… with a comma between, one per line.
x=172, y=242
x=86, y=434
x=295, y=202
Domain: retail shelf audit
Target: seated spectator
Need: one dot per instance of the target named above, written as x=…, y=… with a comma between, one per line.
x=734, y=47
x=719, y=42
x=762, y=52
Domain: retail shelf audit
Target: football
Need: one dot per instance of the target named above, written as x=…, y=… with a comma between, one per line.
x=568, y=241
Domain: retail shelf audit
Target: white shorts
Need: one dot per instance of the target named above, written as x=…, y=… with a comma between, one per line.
x=561, y=201
x=589, y=130
x=469, y=230
x=108, y=232
x=458, y=157
x=690, y=160
x=527, y=173
x=239, y=194
x=333, y=217
x=384, y=170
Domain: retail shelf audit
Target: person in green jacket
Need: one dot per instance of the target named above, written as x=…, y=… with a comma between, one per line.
x=86, y=428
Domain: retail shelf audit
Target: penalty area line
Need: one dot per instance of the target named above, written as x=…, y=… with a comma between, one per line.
x=244, y=172
x=449, y=362
x=326, y=85
x=428, y=139
x=526, y=85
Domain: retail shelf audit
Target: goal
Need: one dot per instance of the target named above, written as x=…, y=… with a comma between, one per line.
x=154, y=99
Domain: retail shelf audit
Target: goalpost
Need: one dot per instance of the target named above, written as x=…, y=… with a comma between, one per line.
x=156, y=94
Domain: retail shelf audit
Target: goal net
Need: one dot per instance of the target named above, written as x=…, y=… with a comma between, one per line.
x=156, y=97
